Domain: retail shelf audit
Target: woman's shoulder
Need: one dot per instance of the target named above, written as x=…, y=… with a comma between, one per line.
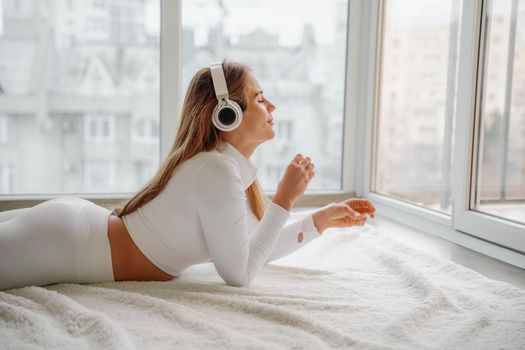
x=203, y=170
x=209, y=172
x=210, y=161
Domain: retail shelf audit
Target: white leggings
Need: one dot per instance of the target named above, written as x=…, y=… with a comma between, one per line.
x=60, y=240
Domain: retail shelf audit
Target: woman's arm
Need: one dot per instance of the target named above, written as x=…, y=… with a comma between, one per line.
x=351, y=212
x=293, y=236
x=221, y=202
x=297, y=234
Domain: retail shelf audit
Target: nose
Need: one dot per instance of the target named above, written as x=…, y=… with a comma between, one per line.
x=269, y=106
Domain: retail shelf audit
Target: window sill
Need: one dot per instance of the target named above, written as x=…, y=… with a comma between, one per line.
x=112, y=200
x=436, y=244
x=441, y=227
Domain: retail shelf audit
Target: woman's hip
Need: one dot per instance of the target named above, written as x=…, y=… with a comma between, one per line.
x=60, y=240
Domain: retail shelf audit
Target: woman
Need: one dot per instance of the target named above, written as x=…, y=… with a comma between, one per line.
x=203, y=204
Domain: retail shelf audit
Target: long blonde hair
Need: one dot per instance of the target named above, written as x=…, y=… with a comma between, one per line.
x=196, y=134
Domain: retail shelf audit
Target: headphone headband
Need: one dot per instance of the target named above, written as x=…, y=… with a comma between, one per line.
x=219, y=82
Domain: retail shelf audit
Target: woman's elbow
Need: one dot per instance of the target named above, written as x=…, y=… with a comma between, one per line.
x=237, y=282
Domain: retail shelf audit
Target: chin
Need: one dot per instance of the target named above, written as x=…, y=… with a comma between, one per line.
x=268, y=136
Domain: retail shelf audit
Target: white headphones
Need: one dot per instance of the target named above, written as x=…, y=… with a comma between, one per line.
x=227, y=115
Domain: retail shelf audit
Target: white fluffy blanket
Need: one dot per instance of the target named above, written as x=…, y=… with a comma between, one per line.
x=353, y=288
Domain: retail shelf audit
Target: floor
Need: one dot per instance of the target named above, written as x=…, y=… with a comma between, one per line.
x=485, y=265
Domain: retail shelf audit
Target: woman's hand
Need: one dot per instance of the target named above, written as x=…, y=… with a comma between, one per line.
x=294, y=182
x=360, y=205
x=351, y=212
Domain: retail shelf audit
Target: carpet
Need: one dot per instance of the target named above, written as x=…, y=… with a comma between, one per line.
x=353, y=288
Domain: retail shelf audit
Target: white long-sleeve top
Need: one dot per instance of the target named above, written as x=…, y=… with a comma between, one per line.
x=203, y=215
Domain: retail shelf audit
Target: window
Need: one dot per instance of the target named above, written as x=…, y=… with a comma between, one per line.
x=99, y=4
x=4, y=129
x=100, y=175
x=284, y=130
x=435, y=88
x=99, y=128
x=7, y=178
x=500, y=177
x=273, y=172
x=97, y=27
x=415, y=102
x=144, y=172
x=283, y=137
x=146, y=131
x=448, y=147
x=91, y=87
x=300, y=63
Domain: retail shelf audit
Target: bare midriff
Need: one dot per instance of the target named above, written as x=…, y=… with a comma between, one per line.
x=129, y=264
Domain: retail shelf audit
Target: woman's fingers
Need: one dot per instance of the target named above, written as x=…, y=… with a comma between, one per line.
x=306, y=164
x=311, y=175
x=306, y=160
x=347, y=215
x=364, y=211
x=298, y=158
x=363, y=206
x=341, y=215
x=369, y=207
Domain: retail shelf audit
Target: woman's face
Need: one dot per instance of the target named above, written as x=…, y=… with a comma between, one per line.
x=257, y=121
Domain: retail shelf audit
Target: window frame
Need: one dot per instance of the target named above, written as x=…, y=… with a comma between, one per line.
x=464, y=227
x=510, y=234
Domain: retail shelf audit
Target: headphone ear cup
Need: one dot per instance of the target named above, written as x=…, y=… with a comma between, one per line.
x=227, y=116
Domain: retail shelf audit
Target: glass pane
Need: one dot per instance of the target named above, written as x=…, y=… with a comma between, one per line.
x=500, y=185
x=416, y=101
x=298, y=59
x=74, y=77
